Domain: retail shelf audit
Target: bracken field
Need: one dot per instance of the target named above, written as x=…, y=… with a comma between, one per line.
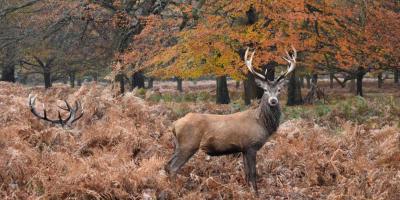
x=347, y=149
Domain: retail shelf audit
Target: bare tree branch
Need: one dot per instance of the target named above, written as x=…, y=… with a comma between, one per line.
x=12, y=9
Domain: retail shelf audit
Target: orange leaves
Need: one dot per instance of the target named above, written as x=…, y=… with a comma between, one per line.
x=368, y=33
x=341, y=33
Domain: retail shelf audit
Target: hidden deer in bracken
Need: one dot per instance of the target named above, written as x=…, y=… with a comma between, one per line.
x=243, y=132
x=72, y=112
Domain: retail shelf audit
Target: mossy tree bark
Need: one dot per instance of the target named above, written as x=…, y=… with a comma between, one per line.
x=380, y=80
x=8, y=73
x=331, y=75
x=150, y=82
x=121, y=79
x=72, y=76
x=250, y=89
x=179, y=86
x=222, y=90
x=294, y=90
x=360, y=76
x=308, y=81
x=8, y=68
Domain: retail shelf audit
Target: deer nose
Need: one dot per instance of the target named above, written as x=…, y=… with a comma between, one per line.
x=273, y=101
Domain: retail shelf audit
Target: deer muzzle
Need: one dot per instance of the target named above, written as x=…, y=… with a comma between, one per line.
x=273, y=101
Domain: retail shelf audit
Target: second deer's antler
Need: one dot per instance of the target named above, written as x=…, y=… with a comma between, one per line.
x=72, y=117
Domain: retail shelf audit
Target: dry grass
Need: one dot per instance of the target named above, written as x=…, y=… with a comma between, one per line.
x=118, y=149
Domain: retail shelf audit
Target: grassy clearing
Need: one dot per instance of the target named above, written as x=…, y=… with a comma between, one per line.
x=373, y=111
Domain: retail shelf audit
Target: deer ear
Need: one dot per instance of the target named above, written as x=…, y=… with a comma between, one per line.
x=283, y=82
x=261, y=84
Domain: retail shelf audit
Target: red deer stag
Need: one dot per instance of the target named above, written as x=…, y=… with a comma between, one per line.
x=244, y=132
x=72, y=116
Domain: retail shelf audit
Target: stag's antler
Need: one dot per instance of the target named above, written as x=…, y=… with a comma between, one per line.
x=291, y=59
x=72, y=117
x=249, y=64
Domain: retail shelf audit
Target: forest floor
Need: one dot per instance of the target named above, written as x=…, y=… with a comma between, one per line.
x=346, y=149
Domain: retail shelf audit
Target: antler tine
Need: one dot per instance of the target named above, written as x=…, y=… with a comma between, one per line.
x=32, y=103
x=70, y=110
x=252, y=55
x=250, y=65
x=78, y=104
x=246, y=54
x=60, y=120
x=286, y=59
x=266, y=72
x=291, y=59
x=287, y=54
x=294, y=53
x=68, y=106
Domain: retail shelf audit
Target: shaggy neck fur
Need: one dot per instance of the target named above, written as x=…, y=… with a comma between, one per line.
x=269, y=116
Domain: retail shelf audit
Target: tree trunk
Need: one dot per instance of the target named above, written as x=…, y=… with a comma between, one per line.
x=314, y=79
x=24, y=79
x=95, y=77
x=360, y=75
x=179, y=84
x=271, y=70
x=137, y=80
x=79, y=82
x=8, y=73
x=352, y=86
x=380, y=80
x=250, y=89
x=294, y=90
x=47, y=79
x=302, y=81
x=72, y=79
x=46, y=67
x=65, y=80
x=8, y=70
x=396, y=75
x=331, y=74
x=150, y=83
x=121, y=79
x=308, y=80
x=222, y=90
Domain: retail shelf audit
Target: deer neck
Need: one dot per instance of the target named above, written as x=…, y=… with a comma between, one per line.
x=269, y=116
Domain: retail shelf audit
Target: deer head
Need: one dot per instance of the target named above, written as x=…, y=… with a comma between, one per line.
x=271, y=88
x=72, y=117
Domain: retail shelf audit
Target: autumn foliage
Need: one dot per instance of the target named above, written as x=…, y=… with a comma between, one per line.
x=330, y=35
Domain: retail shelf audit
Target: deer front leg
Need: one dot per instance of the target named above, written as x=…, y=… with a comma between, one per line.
x=251, y=160
x=167, y=167
x=181, y=157
x=246, y=168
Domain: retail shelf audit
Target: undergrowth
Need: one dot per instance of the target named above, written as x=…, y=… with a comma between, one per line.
x=118, y=150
